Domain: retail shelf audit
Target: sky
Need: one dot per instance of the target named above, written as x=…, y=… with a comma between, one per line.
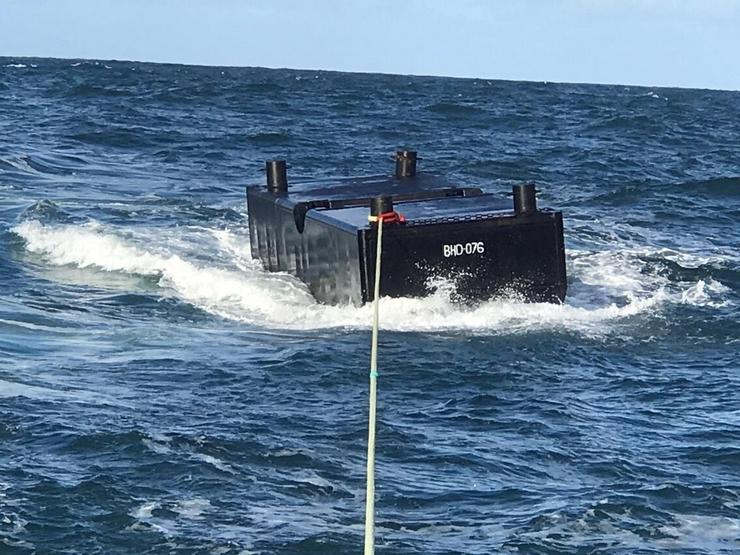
x=686, y=43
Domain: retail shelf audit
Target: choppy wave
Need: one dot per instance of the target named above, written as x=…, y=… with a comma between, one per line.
x=42, y=166
x=609, y=286
x=455, y=109
x=270, y=138
x=160, y=391
x=85, y=90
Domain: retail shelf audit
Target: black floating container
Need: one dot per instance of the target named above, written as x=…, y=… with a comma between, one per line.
x=443, y=232
x=405, y=163
x=525, y=199
x=277, y=176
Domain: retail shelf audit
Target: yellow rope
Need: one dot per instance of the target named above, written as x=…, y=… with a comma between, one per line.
x=370, y=491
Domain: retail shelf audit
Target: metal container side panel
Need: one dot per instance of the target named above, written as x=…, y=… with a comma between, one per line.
x=260, y=214
x=331, y=267
x=253, y=217
x=288, y=239
x=562, y=276
x=266, y=223
x=325, y=256
x=482, y=259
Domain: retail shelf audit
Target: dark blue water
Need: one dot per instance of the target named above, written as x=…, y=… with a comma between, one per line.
x=160, y=393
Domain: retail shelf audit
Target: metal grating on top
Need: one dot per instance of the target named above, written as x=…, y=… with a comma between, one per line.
x=457, y=219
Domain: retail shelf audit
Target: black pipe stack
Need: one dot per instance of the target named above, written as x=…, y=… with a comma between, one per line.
x=525, y=199
x=405, y=163
x=277, y=176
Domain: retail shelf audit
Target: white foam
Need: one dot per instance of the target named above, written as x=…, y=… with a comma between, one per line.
x=21, y=163
x=14, y=524
x=192, y=508
x=653, y=94
x=213, y=461
x=16, y=65
x=213, y=270
x=160, y=448
x=705, y=293
x=162, y=445
x=147, y=522
x=145, y=510
x=313, y=479
x=14, y=389
x=711, y=533
x=687, y=259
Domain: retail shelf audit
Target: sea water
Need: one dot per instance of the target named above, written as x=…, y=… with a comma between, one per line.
x=161, y=393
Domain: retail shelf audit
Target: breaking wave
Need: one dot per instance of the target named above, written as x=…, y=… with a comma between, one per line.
x=606, y=287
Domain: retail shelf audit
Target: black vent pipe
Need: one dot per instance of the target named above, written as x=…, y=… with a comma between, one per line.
x=405, y=163
x=525, y=199
x=277, y=176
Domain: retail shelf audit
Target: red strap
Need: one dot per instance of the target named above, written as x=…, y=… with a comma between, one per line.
x=389, y=218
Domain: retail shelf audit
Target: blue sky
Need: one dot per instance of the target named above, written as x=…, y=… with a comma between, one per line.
x=688, y=43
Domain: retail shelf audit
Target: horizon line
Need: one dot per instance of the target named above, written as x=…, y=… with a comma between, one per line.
x=369, y=72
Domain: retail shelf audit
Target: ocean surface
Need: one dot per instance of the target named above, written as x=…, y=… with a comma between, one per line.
x=161, y=393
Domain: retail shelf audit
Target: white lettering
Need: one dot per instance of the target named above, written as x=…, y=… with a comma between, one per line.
x=458, y=249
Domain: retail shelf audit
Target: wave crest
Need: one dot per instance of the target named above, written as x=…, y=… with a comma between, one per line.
x=606, y=288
